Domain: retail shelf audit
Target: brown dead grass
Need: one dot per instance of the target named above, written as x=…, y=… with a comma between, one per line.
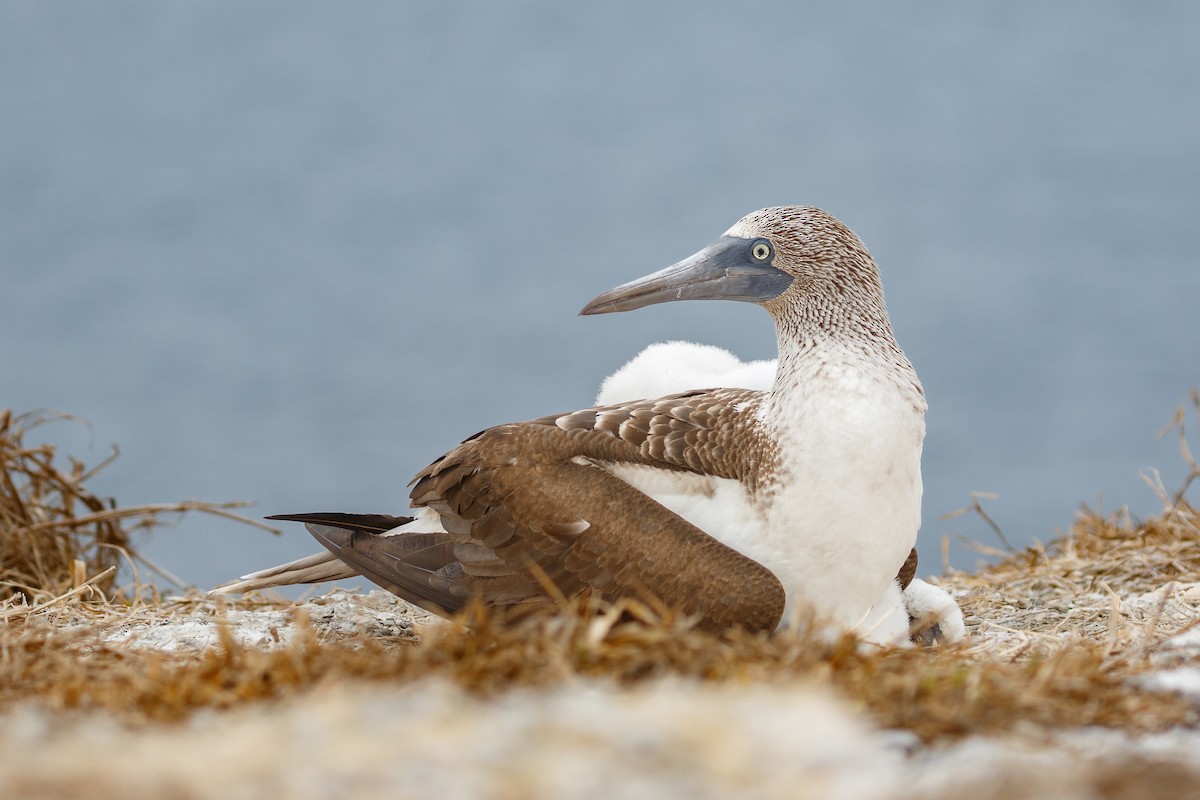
x=942, y=694
x=1057, y=633
x=56, y=536
x=48, y=520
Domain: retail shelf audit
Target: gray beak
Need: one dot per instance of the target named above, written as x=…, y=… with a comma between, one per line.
x=725, y=270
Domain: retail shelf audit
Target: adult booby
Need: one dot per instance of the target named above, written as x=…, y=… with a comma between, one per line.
x=739, y=506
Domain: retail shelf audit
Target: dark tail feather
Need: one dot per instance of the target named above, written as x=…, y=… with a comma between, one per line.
x=361, y=523
x=404, y=565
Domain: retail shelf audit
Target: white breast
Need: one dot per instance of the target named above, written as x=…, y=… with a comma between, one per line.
x=848, y=504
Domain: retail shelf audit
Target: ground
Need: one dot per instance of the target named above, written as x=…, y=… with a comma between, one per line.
x=1079, y=678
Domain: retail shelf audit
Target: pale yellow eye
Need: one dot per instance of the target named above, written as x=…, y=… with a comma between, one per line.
x=761, y=251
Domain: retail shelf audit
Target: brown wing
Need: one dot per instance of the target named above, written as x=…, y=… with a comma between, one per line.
x=532, y=494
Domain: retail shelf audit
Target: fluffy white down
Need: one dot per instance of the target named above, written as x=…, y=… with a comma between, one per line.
x=924, y=599
x=888, y=623
x=672, y=367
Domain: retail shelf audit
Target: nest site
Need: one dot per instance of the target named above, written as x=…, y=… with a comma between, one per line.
x=1060, y=637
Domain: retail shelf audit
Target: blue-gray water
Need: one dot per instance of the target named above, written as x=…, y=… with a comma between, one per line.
x=290, y=253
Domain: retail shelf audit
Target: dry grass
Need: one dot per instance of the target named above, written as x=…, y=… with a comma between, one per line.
x=1113, y=580
x=56, y=536
x=939, y=695
x=1057, y=633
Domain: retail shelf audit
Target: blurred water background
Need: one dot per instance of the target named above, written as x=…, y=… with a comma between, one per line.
x=291, y=252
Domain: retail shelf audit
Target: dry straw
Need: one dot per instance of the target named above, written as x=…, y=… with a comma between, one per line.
x=57, y=537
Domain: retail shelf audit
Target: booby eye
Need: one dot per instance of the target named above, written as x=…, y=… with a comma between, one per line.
x=761, y=250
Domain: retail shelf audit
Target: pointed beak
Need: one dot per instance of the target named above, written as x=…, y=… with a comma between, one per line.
x=724, y=270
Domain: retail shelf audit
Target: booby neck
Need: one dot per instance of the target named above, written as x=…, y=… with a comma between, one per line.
x=850, y=348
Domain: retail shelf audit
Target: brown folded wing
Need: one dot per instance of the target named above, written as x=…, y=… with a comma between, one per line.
x=528, y=502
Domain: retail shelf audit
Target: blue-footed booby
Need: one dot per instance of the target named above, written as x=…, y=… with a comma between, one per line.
x=739, y=506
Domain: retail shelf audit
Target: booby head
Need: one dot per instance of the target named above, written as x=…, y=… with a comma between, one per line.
x=776, y=257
